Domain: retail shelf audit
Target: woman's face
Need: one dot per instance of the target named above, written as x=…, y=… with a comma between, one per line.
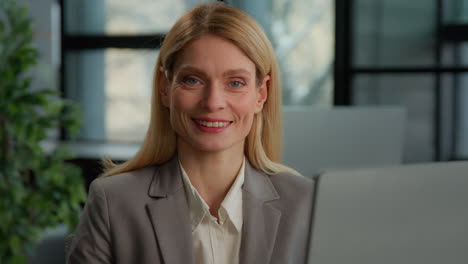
x=213, y=96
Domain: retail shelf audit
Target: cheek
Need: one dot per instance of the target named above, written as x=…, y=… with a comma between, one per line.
x=182, y=101
x=246, y=110
x=178, y=100
x=247, y=105
x=180, y=107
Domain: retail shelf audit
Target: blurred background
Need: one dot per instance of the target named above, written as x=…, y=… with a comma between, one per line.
x=334, y=55
x=331, y=53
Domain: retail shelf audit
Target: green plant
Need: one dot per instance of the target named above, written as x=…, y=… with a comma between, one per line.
x=38, y=189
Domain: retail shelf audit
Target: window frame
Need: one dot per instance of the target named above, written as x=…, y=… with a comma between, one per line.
x=345, y=71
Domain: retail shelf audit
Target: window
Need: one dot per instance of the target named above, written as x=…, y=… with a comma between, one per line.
x=454, y=44
x=110, y=49
x=410, y=53
x=302, y=33
x=389, y=39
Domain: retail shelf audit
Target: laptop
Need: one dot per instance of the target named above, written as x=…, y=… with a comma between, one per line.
x=414, y=214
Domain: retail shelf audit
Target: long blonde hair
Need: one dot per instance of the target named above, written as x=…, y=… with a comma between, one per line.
x=263, y=143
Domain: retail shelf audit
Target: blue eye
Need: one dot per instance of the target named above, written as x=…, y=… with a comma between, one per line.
x=191, y=81
x=236, y=84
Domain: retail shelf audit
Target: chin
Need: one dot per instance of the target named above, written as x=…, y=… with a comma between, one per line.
x=214, y=145
x=212, y=148
x=211, y=145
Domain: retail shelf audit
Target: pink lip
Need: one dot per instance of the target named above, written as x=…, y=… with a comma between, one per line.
x=211, y=129
x=207, y=119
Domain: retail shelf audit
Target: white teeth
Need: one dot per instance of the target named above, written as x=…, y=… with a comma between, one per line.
x=212, y=124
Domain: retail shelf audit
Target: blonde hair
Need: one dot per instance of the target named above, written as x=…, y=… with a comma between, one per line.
x=263, y=143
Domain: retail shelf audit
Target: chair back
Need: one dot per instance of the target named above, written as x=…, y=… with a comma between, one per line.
x=342, y=137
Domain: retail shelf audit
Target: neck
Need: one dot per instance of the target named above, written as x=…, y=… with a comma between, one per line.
x=211, y=173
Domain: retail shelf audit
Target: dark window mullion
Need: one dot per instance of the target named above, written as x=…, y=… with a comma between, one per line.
x=443, y=69
x=83, y=42
x=454, y=32
x=343, y=53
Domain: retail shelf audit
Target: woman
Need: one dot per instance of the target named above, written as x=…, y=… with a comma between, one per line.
x=206, y=185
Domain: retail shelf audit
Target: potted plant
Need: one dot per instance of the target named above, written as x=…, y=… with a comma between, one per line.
x=38, y=188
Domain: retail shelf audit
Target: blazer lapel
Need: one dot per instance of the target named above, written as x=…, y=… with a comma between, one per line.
x=261, y=220
x=169, y=214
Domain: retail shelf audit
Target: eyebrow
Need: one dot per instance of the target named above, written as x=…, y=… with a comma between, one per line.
x=236, y=71
x=225, y=74
x=190, y=69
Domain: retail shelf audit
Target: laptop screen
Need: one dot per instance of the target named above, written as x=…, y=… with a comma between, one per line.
x=409, y=214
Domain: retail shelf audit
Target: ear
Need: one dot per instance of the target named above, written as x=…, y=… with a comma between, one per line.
x=163, y=87
x=262, y=93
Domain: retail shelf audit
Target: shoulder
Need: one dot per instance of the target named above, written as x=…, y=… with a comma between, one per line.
x=295, y=201
x=136, y=180
x=279, y=187
x=290, y=185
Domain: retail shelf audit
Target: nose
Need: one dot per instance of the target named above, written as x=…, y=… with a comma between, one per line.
x=214, y=98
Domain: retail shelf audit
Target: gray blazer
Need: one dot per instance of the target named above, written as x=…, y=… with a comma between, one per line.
x=142, y=217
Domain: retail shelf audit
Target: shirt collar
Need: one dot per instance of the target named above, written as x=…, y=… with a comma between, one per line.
x=232, y=203
x=230, y=209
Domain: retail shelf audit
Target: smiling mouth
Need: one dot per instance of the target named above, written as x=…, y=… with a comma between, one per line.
x=212, y=124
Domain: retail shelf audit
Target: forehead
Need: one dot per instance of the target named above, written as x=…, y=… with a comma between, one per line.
x=213, y=53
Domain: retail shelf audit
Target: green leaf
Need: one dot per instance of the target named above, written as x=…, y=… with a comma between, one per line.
x=2, y=27
x=15, y=244
x=38, y=189
x=18, y=259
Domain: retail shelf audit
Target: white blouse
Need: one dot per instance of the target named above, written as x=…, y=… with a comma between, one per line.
x=215, y=242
